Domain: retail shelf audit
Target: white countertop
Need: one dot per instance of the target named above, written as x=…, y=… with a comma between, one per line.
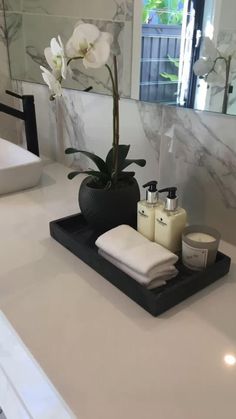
x=107, y=357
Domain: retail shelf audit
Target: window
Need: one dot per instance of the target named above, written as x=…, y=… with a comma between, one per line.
x=169, y=33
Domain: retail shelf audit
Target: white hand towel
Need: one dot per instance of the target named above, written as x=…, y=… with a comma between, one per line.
x=161, y=278
x=126, y=245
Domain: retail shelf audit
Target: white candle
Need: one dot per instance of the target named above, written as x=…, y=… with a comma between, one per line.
x=200, y=237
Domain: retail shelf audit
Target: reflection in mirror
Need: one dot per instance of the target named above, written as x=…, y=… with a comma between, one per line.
x=32, y=23
x=216, y=86
x=156, y=42
x=173, y=34
x=166, y=53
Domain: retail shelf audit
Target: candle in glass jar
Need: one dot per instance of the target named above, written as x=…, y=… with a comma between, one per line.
x=199, y=246
x=200, y=237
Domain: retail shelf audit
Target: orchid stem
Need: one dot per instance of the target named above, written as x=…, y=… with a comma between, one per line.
x=226, y=90
x=116, y=119
x=227, y=75
x=72, y=59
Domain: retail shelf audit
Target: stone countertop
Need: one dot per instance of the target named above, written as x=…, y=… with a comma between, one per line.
x=107, y=357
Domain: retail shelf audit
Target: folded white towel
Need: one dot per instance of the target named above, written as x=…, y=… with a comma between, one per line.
x=161, y=278
x=128, y=247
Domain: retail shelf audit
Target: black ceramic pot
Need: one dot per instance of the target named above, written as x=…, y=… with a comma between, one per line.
x=106, y=209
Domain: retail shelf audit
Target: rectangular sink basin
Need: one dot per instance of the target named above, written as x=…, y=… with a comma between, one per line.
x=19, y=169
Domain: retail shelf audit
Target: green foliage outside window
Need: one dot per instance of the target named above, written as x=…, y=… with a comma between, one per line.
x=165, y=12
x=172, y=76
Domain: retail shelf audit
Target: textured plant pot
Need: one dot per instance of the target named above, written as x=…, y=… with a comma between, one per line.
x=106, y=209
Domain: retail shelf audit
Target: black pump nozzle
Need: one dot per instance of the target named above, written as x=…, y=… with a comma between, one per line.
x=152, y=186
x=171, y=192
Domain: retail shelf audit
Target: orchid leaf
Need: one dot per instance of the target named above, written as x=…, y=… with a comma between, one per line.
x=93, y=173
x=101, y=165
x=126, y=175
x=123, y=151
x=128, y=162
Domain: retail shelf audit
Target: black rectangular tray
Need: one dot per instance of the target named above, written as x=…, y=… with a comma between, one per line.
x=74, y=233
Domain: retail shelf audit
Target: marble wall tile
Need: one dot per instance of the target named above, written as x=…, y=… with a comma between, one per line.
x=89, y=9
x=129, y=9
x=12, y=5
x=84, y=121
x=198, y=153
x=194, y=150
x=7, y=123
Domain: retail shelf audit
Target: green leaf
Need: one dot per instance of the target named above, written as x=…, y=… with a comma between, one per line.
x=93, y=173
x=171, y=77
x=101, y=165
x=128, y=162
x=174, y=61
x=123, y=152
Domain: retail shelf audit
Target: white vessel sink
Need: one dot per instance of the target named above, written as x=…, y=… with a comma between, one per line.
x=19, y=169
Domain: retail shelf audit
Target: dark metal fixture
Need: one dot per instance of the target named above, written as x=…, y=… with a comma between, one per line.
x=28, y=116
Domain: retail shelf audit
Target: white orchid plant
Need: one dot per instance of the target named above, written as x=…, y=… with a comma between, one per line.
x=216, y=65
x=93, y=48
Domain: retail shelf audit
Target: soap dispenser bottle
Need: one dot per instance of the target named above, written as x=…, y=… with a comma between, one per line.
x=146, y=211
x=170, y=221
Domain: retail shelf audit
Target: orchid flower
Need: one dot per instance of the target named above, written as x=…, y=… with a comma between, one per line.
x=56, y=59
x=89, y=44
x=217, y=66
x=209, y=66
x=93, y=47
x=212, y=65
x=52, y=82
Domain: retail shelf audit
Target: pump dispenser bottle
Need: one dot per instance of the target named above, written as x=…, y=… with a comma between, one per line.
x=170, y=221
x=146, y=211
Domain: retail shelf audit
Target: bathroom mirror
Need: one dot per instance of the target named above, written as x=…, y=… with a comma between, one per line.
x=156, y=42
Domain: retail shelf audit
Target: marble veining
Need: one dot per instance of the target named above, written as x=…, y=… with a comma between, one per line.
x=2, y=30
x=151, y=118
x=12, y=5
x=108, y=9
x=199, y=144
x=129, y=9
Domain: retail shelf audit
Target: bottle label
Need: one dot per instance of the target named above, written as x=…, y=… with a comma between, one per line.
x=194, y=258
